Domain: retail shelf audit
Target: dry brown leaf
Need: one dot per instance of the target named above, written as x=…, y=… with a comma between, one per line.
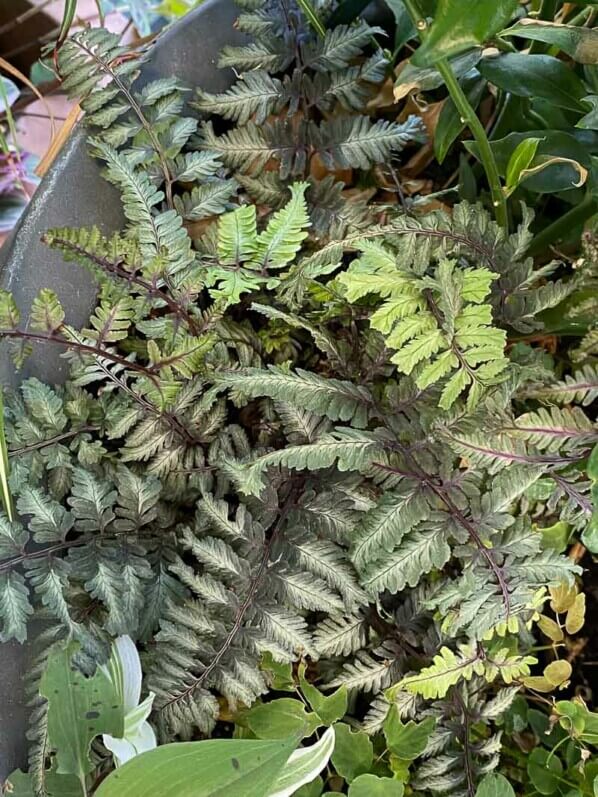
x=318, y=171
x=58, y=141
x=383, y=98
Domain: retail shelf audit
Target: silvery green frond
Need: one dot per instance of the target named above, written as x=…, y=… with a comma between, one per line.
x=581, y=387
x=337, y=400
x=366, y=674
x=343, y=142
x=339, y=46
x=137, y=501
x=304, y=590
x=48, y=521
x=385, y=526
x=420, y=551
x=341, y=635
x=328, y=561
x=92, y=501
x=257, y=95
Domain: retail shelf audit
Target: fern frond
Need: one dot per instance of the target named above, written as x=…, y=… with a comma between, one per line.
x=350, y=449
x=257, y=95
x=581, y=387
x=345, y=142
x=337, y=400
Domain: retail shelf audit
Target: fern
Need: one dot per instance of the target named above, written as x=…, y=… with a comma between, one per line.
x=247, y=459
x=449, y=668
x=440, y=321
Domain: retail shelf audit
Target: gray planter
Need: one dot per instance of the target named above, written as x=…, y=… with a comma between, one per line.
x=73, y=194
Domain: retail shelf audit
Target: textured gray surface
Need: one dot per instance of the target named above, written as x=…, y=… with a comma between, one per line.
x=73, y=195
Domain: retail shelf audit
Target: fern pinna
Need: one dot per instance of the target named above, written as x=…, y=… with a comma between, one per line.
x=287, y=436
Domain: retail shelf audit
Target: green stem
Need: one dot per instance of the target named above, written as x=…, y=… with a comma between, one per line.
x=469, y=116
x=563, y=226
x=314, y=19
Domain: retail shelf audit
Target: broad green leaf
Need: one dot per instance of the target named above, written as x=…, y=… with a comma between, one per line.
x=217, y=767
x=544, y=770
x=556, y=536
x=313, y=789
x=415, y=78
x=450, y=123
x=461, y=24
x=580, y=43
x=521, y=159
x=541, y=164
x=79, y=709
x=304, y=765
x=329, y=708
x=279, y=674
x=494, y=785
x=536, y=76
x=281, y=718
x=21, y=785
x=590, y=120
x=592, y=468
x=559, y=175
x=405, y=29
x=353, y=752
x=373, y=786
x=407, y=741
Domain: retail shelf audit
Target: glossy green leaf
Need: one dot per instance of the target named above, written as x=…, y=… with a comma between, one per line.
x=415, y=78
x=313, y=789
x=21, y=785
x=580, y=43
x=521, y=159
x=450, y=123
x=544, y=770
x=79, y=709
x=329, y=708
x=223, y=767
x=353, y=752
x=407, y=740
x=281, y=718
x=592, y=468
x=536, y=76
x=558, y=176
x=279, y=674
x=461, y=24
x=494, y=785
x=556, y=536
x=405, y=29
x=373, y=786
x=590, y=120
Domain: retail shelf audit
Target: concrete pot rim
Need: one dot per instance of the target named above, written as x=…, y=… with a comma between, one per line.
x=73, y=193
